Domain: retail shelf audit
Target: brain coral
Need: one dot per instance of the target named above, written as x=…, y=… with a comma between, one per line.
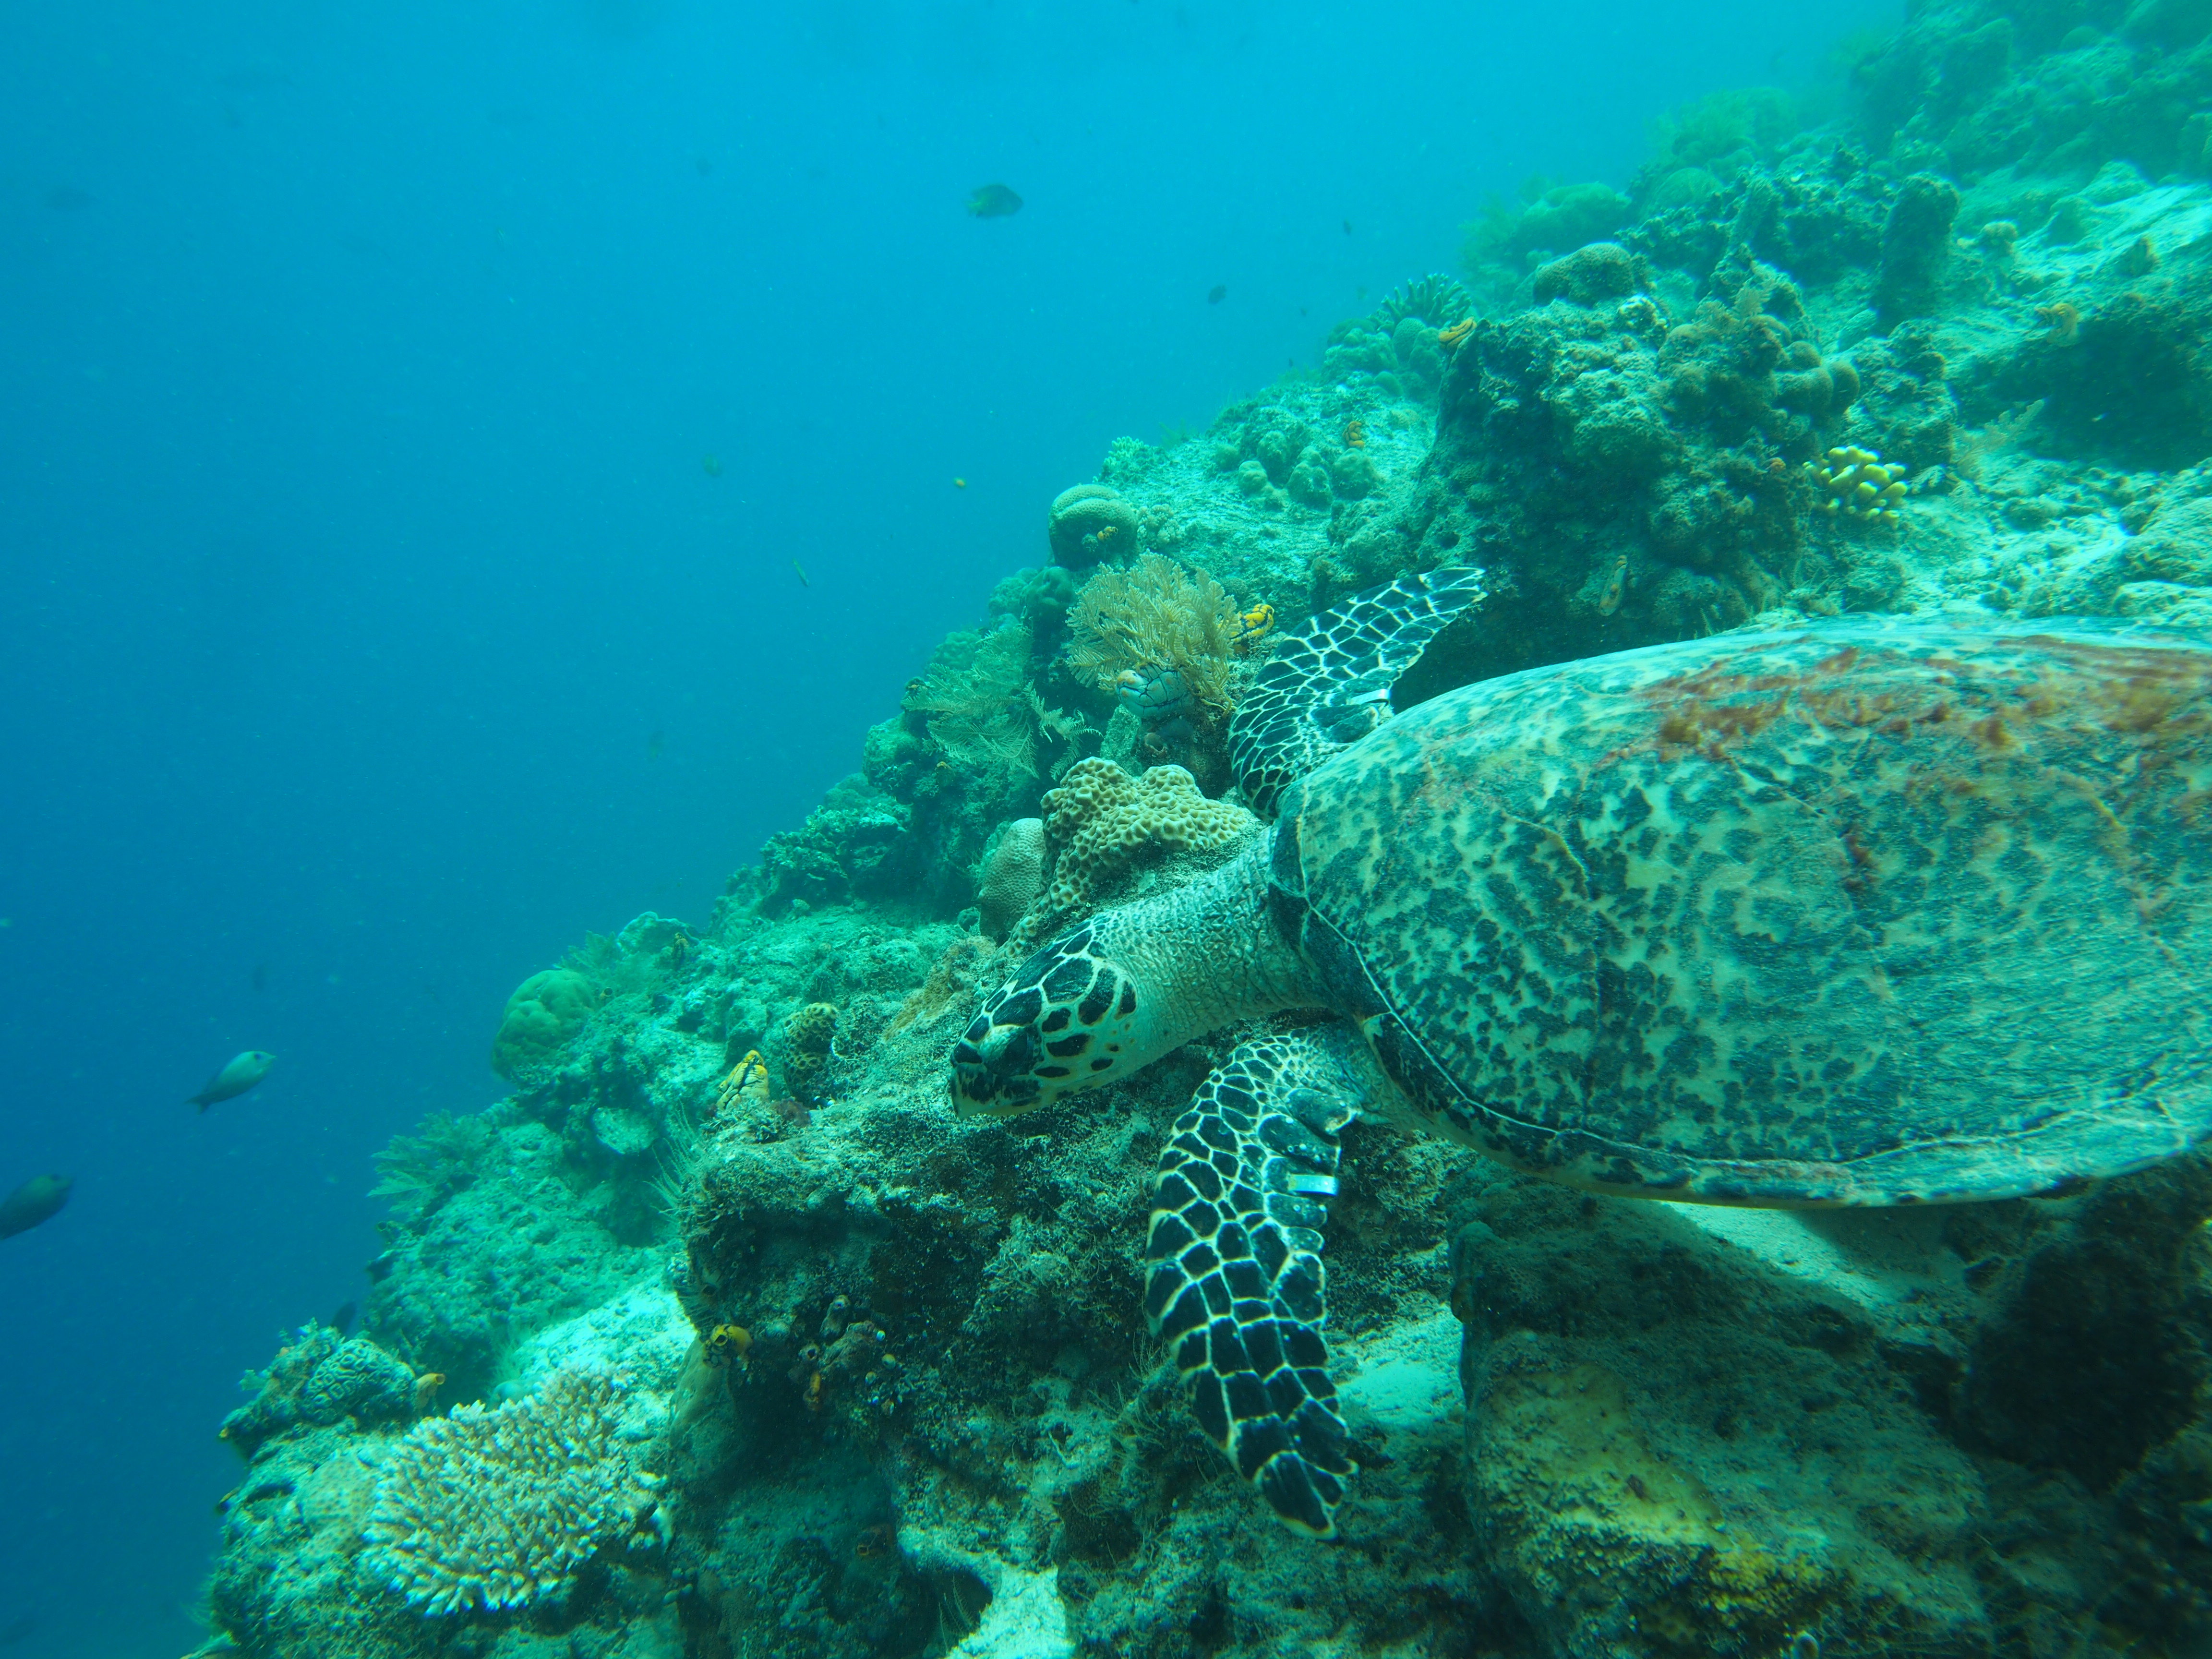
x=1013, y=877
x=498, y=1508
x=546, y=1010
x=1597, y=271
x=1089, y=523
x=1100, y=822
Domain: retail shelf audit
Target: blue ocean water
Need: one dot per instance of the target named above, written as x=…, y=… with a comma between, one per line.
x=470, y=475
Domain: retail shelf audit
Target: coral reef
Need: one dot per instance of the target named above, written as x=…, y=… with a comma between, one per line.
x=1582, y=1426
x=499, y=1508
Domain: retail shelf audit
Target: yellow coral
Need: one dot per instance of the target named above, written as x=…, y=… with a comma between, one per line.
x=747, y=1082
x=1155, y=616
x=1857, y=484
x=1101, y=822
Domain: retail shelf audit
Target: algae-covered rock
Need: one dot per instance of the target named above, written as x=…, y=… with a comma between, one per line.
x=545, y=1012
x=1915, y=244
x=1673, y=1447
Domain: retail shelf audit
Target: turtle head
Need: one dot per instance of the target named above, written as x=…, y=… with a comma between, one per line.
x=1067, y=1020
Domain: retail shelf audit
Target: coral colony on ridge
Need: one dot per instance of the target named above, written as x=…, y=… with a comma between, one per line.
x=720, y=1334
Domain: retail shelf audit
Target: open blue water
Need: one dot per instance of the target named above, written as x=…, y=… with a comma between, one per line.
x=375, y=623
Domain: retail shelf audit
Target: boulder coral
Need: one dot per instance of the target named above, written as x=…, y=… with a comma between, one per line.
x=1013, y=876
x=1595, y=271
x=319, y=1380
x=545, y=1011
x=1091, y=522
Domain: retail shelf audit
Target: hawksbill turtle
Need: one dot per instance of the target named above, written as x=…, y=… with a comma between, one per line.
x=1865, y=912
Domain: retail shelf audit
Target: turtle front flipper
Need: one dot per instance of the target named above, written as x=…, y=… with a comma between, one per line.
x=1329, y=683
x=1234, y=1281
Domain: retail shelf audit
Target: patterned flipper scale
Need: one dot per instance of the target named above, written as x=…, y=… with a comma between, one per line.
x=1329, y=683
x=1234, y=1283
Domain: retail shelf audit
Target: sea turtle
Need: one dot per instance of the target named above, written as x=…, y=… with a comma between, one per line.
x=1865, y=912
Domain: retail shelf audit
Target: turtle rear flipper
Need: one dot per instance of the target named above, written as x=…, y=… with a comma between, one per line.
x=1234, y=1280
x=1329, y=683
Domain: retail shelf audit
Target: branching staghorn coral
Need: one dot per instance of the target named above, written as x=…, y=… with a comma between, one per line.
x=498, y=1508
x=1154, y=615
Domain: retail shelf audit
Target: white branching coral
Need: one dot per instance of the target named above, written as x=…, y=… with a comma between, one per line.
x=497, y=1508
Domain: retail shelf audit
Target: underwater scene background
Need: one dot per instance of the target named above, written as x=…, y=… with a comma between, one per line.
x=664, y=547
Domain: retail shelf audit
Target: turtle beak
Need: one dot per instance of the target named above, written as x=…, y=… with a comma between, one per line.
x=991, y=1071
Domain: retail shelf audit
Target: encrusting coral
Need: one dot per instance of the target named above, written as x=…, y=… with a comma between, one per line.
x=497, y=1508
x=1100, y=822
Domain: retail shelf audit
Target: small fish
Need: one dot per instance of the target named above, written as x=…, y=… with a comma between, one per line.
x=801, y=569
x=243, y=1071
x=1217, y=293
x=960, y=483
x=1616, y=588
x=711, y=465
x=39, y=1199
x=994, y=202
x=1347, y=227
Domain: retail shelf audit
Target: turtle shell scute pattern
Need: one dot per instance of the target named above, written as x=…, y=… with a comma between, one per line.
x=1328, y=684
x=1874, y=912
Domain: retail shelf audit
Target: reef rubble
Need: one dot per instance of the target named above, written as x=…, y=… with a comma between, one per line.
x=779, y=1357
